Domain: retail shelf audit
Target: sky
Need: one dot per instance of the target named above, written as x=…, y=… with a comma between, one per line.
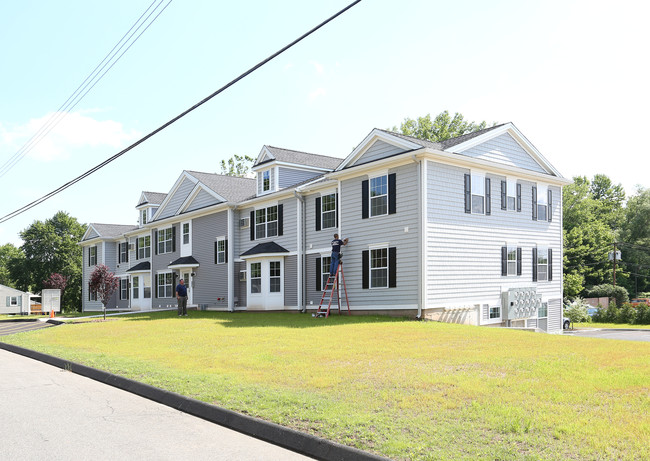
x=571, y=75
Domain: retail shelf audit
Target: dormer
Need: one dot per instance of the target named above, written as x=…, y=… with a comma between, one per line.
x=148, y=205
x=278, y=168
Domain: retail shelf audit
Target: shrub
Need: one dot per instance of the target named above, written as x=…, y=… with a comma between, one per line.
x=618, y=292
x=577, y=311
x=643, y=314
x=627, y=314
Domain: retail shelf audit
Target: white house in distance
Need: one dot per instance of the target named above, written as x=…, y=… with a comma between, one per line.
x=467, y=230
x=13, y=301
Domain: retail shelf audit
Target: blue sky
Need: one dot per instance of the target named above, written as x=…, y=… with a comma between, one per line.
x=571, y=75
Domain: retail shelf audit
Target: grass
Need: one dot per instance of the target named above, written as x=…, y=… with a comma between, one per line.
x=403, y=389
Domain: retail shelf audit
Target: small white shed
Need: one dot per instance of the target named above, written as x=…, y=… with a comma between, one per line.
x=13, y=301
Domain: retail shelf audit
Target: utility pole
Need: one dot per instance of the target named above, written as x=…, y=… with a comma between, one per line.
x=614, y=275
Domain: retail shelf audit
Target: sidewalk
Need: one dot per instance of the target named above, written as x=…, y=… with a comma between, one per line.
x=53, y=414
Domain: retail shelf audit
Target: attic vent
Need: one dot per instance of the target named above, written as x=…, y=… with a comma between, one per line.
x=244, y=223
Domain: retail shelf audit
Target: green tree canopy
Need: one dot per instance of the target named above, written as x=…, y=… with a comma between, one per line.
x=442, y=127
x=237, y=165
x=9, y=255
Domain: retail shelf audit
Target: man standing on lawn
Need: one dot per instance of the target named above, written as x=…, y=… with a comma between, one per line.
x=181, y=296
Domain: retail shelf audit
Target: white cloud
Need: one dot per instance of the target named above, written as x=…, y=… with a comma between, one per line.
x=74, y=130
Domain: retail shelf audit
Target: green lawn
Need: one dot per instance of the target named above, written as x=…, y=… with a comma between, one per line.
x=403, y=389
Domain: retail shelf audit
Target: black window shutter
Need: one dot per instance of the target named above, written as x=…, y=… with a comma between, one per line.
x=252, y=225
x=392, y=193
x=155, y=241
x=225, y=249
x=534, y=203
x=550, y=206
x=365, y=193
x=504, y=195
x=534, y=264
x=488, y=197
x=392, y=267
x=468, y=193
x=280, y=219
x=216, y=252
x=119, y=253
x=504, y=261
x=318, y=212
x=128, y=289
x=319, y=275
x=518, y=197
x=550, y=264
x=336, y=215
x=519, y=259
x=173, y=238
x=126, y=251
x=89, y=256
x=137, y=245
x=365, y=269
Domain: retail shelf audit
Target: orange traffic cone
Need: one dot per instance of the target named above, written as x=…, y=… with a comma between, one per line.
x=52, y=314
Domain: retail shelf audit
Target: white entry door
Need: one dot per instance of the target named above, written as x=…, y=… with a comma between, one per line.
x=187, y=278
x=265, y=283
x=141, y=291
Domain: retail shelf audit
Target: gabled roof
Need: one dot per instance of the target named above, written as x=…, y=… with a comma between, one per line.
x=151, y=198
x=294, y=157
x=107, y=231
x=232, y=188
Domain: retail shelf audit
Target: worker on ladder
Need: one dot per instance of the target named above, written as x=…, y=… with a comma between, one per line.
x=337, y=243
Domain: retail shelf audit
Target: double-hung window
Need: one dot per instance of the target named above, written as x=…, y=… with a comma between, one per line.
x=328, y=211
x=221, y=251
x=135, y=285
x=379, y=268
x=92, y=295
x=326, y=261
x=510, y=195
x=511, y=257
x=266, y=181
x=266, y=222
x=124, y=289
x=144, y=247
x=256, y=278
x=143, y=217
x=165, y=244
x=13, y=301
x=542, y=312
x=477, y=194
x=542, y=203
x=124, y=252
x=92, y=256
x=165, y=285
x=379, y=196
x=275, y=277
x=186, y=233
x=542, y=264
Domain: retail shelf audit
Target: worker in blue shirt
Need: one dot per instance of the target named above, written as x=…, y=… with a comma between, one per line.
x=181, y=296
x=337, y=243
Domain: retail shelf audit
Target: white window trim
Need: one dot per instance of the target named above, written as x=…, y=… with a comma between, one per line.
x=162, y=232
x=477, y=179
x=220, y=240
x=144, y=247
x=511, y=187
x=322, y=213
x=542, y=248
x=13, y=300
x=266, y=221
x=158, y=274
x=370, y=197
x=124, y=289
x=324, y=256
x=509, y=249
x=370, y=268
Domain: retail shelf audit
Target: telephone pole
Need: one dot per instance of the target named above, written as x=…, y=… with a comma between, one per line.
x=614, y=275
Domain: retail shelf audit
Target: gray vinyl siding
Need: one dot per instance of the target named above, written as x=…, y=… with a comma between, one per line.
x=203, y=199
x=87, y=270
x=211, y=280
x=289, y=235
x=177, y=199
x=463, y=265
x=240, y=287
x=506, y=151
x=122, y=303
x=160, y=263
x=290, y=176
x=377, y=151
x=322, y=238
x=92, y=234
x=313, y=295
x=389, y=229
x=291, y=281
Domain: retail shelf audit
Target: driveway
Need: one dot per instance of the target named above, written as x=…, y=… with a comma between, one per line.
x=9, y=327
x=611, y=333
x=51, y=414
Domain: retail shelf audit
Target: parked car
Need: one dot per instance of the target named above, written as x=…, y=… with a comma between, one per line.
x=592, y=311
x=636, y=301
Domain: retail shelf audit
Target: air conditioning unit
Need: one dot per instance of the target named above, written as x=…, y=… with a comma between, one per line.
x=244, y=223
x=242, y=276
x=520, y=303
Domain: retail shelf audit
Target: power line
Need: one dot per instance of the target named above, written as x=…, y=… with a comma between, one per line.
x=173, y=120
x=88, y=84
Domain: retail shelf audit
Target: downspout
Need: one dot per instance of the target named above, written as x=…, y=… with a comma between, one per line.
x=231, y=261
x=301, y=251
x=422, y=233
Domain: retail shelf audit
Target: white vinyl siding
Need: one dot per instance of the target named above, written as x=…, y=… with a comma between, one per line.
x=506, y=151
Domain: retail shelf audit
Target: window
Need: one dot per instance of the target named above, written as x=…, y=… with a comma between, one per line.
x=495, y=312
x=186, y=233
x=124, y=289
x=143, y=219
x=147, y=286
x=266, y=222
x=510, y=195
x=379, y=196
x=92, y=295
x=13, y=301
x=274, y=277
x=256, y=278
x=266, y=181
x=477, y=194
x=165, y=244
x=92, y=256
x=379, y=268
x=542, y=264
x=512, y=261
x=325, y=270
x=135, y=284
x=124, y=252
x=165, y=285
x=328, y=211
x=541, y=203
x=543, y=310
x=144, y=247
x=221, y=251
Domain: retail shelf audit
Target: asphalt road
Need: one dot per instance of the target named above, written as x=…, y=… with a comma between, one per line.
x=51, y=414
x=627, y=335
x=9, y=328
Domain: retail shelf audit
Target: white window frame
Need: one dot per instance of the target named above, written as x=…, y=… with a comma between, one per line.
x=275, y=276
x=325, y=263
x=542, y=254
x=511, y=263
x=135, y=287
x=186, y=235
x=221, y=250
x=146, y=249
x=330, y=213
x=542, y=202
x=168, y=277
x=92, y=255
x=124, y=251
x=492, y=311
x=256, y=276
x=92, y=295
x=143, y=217
x=124, y=289
x=380, y=195
x=511, y=195
x=543, y=309
x=164, y=243
x=478, y=192
x=266, y=180
x=373, y=270
x=13, y=300
x=263, y=224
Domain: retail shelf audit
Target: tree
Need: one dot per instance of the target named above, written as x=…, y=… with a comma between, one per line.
x=577, y=311
x=56, y=281
x=610, y=199
x=635, y=237
x=8, y=255
x=51, y=246
x=237, y=165
x=103, y=283
x=440, y=128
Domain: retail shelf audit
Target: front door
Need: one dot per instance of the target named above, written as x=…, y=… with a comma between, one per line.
x=141, y=291
x=187, y=278
x=265, y=284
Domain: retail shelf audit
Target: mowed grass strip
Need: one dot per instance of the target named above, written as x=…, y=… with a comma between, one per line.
x=400, y=388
